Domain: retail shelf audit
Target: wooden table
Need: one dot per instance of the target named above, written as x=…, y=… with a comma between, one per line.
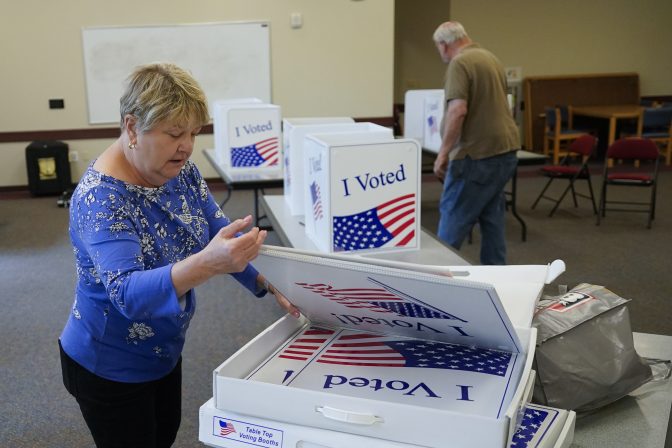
x=612, y=113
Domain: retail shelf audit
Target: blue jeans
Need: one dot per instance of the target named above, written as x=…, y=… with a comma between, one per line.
x=473, y=191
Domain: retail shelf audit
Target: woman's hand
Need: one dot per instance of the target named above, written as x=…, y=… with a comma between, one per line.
x=224, y=254
x=279, y=297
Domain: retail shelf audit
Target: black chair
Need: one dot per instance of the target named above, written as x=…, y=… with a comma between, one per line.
x=644, y=173
x=581, y=149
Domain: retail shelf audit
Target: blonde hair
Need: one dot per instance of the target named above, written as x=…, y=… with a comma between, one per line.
x=449, y=32
x=163, y=92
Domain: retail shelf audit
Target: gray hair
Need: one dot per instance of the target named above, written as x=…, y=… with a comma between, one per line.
x=161, y=92
x=449, y=32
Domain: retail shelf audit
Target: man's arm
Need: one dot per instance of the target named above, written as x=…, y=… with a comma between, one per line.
x=455, y=113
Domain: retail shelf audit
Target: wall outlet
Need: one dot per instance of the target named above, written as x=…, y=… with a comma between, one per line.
x=73, y=156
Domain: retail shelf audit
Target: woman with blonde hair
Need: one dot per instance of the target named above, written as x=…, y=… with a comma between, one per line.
x=146, y=231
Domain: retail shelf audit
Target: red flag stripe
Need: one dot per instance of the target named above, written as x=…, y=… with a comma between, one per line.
x=382, y=216
x=408, y=238
x=363, y=351
x=363, y=364
x=365, y=358
x=401, y=228
x=359, y=344
x=303, y=358
x=400, y=198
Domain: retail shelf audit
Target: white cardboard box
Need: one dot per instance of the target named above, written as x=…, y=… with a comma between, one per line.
x=294, y=133
x=433, y=406
x=229, y=429
x=293, y=157
x=423, y=111
x=363, y=192
x=247, y=135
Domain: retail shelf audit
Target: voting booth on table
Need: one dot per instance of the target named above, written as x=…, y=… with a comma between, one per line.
x=247, y=135
x=388, y=354
x=363, y=192
x=294, y=132
x=423, y=112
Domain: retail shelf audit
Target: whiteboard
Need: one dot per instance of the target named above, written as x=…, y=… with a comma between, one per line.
x=228, y=59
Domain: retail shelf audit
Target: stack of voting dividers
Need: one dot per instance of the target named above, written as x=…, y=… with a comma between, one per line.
x=295, y=131
x=363, y=192
x=388, y=354
x=423, y=112
x=247, y=135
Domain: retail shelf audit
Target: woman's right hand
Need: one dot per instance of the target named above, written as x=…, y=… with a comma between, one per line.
x=227, y=253
x=224, y=254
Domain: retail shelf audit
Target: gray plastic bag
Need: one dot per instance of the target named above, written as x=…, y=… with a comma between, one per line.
x=585, y=357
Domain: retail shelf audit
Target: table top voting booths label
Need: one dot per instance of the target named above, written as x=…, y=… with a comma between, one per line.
x=363, y=197
x=247, y=433
x=247, y=136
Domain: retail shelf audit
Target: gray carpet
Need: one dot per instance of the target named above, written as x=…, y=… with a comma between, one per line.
x=37, y=276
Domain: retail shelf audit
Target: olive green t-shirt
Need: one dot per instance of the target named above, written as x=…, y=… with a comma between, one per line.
x=477, y=76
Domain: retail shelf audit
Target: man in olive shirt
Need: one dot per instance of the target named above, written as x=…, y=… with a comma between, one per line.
x=479, y=140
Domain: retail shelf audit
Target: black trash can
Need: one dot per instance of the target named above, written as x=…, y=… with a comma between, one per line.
x=48, y=167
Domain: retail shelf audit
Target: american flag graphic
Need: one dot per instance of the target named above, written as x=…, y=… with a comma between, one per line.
x=262, y=153
x=307, y=344
x=378, y=300
x=370, y=350
x=317, y=201
x=433, y=126
x=226, y=428
x=391, y=224
x=529, y=434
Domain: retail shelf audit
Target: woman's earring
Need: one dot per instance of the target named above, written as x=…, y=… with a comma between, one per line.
x=131, y=146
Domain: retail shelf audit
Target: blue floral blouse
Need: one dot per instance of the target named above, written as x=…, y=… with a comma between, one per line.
x=127, y=323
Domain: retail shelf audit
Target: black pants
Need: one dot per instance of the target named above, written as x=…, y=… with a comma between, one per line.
x=126, y=415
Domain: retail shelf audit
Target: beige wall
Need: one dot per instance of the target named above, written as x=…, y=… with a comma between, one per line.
x=346, y=60
x=416, y=62
x=334, y=65
x=547, y=37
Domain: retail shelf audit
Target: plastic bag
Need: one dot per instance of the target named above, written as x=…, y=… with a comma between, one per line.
x=585, y=356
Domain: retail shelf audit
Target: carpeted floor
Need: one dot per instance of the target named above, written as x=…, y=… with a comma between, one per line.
x=37, y=277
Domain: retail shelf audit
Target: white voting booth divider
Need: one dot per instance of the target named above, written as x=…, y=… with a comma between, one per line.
x=388, y=354
x=295, y=156
x=294, y=130
x=363, y=192
x=423, y=112
x=247, y=135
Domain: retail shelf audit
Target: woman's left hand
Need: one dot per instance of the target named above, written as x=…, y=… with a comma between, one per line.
x=279, y=297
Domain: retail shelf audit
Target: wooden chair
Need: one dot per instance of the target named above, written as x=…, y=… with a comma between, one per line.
x=557, y=134
x=644, y=176
x=655, y=124
x=581, y=148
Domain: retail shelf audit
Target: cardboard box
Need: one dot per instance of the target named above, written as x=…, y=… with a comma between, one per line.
x=423, y=112
x=363, y=193
x=347, y=366
x=247, y=135
x=294, y=133
x=228, y=429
